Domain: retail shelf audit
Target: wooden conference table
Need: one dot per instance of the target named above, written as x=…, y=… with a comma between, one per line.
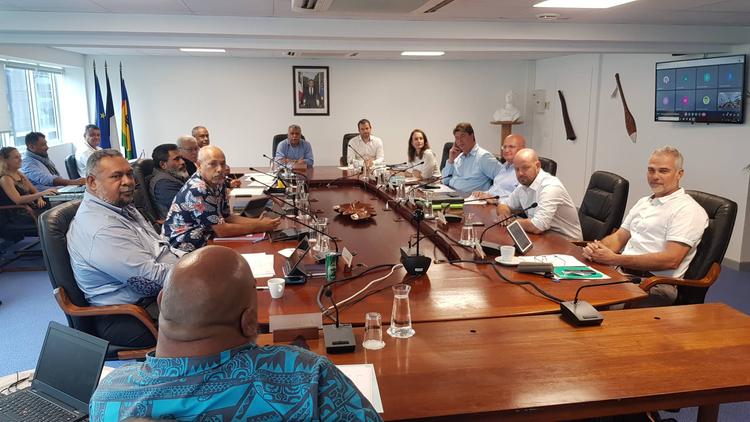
x=539, y=368
x=447, y=291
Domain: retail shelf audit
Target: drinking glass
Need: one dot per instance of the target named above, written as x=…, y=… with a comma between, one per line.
x=401, y=314
x=427, y=206
x=468, y=237
x=373, y=338
x=321, y=240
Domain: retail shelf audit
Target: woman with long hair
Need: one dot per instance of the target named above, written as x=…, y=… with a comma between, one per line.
x=15, y=187
x=419, y=151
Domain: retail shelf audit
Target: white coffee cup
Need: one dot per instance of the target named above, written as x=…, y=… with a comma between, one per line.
x=276, y=287
x=506, y=253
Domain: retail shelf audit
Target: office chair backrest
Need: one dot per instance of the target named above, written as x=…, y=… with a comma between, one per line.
x=53, y=229
x=345, y=148
x=142, y=170
x=71, y=166
x=549, y=165
x=446, y=151
x=721, y=216
x=277, y=139
x=603, y=205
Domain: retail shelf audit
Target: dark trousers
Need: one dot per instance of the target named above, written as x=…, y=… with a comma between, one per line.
x=125, y=330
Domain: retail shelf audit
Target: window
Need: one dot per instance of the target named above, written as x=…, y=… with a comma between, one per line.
x=34, y=105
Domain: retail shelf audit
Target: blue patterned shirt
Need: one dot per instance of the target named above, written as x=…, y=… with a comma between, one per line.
x=194, y=211
x=247, y=383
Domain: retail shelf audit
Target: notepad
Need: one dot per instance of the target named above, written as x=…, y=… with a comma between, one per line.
x=363, y=377
x=261, y=264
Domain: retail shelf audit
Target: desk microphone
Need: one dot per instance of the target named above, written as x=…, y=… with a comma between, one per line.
x=356, y=152
x=405, y=169
x=335, y=242
x=579, y=312
x=395, y=165
x=283, y=166
x=415, y=264
x=271, y=189
x=339, y=338
x=293, y=206
x=428, y=183
x=494, y=248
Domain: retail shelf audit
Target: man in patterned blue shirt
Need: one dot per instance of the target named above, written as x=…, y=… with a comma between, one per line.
x=207, y=366
x=200, y=210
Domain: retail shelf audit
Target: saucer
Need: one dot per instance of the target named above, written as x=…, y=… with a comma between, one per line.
x=512, y=263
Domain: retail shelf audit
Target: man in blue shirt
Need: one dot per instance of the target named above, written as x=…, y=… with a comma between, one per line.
x=37, y=166
x=505, y=181
x=115, y=254
x=294, y=149
x=206, y=365
x=469, y=167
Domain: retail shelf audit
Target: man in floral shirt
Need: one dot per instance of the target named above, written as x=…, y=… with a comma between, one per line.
x=200, y=211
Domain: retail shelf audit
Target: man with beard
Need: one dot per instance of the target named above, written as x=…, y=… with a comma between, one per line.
x=555, y=210
x=116, y=255
x=200, y=210
x=39, y=169
x=168, y=177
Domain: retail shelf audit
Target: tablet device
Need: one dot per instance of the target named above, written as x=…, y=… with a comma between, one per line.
x=519, y=236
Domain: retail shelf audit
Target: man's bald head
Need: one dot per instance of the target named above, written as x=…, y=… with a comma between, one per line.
x=209, y=298
x=527, y=165
x=511, y=145
x=212, y=165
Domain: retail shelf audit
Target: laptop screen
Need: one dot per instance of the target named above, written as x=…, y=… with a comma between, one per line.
x=70, y=363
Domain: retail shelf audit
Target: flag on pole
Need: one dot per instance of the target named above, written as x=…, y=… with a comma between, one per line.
x=100, y=119
x=128, y=141
x=109, y=133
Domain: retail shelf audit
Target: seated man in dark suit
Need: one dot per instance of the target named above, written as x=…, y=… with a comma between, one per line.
x=168, y=177
x=207, y=365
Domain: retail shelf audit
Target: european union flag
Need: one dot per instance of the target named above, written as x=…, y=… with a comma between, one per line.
x=101, y=118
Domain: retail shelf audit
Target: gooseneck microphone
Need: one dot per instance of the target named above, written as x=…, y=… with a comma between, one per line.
x=494, y=248
x=338, y=338
x=405, y=169
x=415, y=264
x=580, y=313
x=428, y=183
x=356, y=152
x=333, y=239
x=283, y=166
x=395, y=165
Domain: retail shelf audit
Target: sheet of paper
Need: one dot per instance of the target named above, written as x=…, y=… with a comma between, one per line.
x=251, y=191
x=286, y=253
x=363, y=376
x=261, y=264
x=345, y=168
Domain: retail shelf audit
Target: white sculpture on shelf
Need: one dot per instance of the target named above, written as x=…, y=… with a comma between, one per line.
x=509, y=113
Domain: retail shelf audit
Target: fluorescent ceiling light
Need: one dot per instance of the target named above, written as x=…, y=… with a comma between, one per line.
x=582, y=4
x=203, y=50
x=422, y=53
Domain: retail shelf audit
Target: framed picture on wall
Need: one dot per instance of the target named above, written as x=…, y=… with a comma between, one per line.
x=311, y=87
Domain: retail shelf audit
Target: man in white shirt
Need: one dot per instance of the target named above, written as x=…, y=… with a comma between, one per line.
x=370, y=147
x=92, y=137
x=555, y=210
x=661, y=232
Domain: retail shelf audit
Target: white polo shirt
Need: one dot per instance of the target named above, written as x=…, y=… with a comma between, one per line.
x=652, y=222
x=555, y=210
x=372, y=149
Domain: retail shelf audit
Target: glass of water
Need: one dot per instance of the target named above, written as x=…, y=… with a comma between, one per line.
x=468, y=237
x=373, y=338
x=401, y=314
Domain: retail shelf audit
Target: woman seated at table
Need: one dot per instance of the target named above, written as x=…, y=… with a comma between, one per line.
x=419, y=150
x=16, y=189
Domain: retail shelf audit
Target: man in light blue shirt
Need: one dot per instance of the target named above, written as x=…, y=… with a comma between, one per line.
x=294, y=149
x=207, y=365
x=39, y=169
x=469, y=167
x=505, y=182
x=116, y=255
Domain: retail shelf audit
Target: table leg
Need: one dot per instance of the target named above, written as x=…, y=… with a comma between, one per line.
x=708, y=413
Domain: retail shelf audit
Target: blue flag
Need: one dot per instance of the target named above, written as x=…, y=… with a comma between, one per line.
x=101, y=118
x=110, y=132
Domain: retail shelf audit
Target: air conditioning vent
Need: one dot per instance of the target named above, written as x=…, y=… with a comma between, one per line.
x=353, y=7
x=320, y=54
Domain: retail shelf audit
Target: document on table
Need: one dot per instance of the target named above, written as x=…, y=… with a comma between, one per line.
x=567, y=267
x=251, y=191
x=363, y=376
x=261, y=264
x=260, y=177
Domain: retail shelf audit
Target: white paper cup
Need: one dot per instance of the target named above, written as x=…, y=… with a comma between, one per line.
x=506, y=253
x=276, y=287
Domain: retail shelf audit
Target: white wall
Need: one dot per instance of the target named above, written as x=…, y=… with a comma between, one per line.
x=714, y=154
x=244, y=102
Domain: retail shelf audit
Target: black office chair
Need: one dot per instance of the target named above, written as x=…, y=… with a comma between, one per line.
x=603, y=205
x=705, y=267
x=71, y=165
x=446, y=152
x=142, y=170
x=549, y=165
x=344, y=160
x=18, y=222
x=53, y=229
x=277, y=139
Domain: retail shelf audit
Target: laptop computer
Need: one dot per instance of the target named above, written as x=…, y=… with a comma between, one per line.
x=72, y=189
x=66, y=375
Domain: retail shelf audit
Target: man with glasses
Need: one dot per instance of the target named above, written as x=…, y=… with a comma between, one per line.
x=189, y=150
x=505, y=182
x=200, y=210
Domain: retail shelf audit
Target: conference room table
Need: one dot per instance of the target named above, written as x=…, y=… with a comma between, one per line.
x=448, y=291
x=540, y=368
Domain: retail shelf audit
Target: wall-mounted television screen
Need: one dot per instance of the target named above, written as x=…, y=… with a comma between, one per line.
x=707, y=90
